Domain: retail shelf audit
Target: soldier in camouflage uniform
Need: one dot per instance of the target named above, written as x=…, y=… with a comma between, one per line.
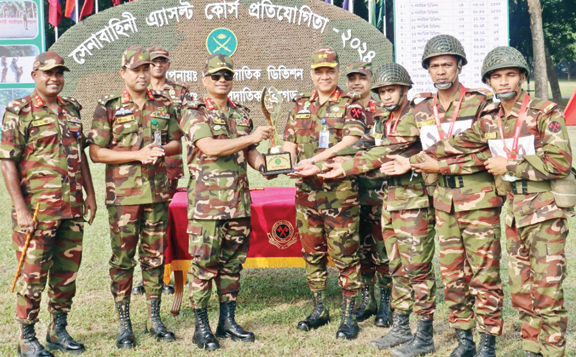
x=465, y=201
x=536, y=227
x=321, y=123
x=221, y=142
x=131, y=133
x=407, y=215
x=43, y=163
x=373, y=261
x=179, y=94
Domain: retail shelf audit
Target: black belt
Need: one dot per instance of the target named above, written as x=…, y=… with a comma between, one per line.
x=525, y=187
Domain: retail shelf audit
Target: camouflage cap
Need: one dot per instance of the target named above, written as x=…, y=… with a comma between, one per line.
x=218, y=62
x=134, y=57
x=157, y=52
x=359, y=67
x=324, y=57
x=443, y=45
x=48, y=60
x=503, y=57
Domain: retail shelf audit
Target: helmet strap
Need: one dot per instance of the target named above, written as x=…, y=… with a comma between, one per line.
x=395, y=107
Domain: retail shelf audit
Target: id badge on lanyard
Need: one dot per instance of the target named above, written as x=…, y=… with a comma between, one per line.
x=324, y=138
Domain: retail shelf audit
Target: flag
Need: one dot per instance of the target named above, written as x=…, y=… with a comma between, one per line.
x=570, y=111
x=87, y=8
x=345, y=5
x=379, y=11
x=372, y=12
x=71, y=11
x=54, y=12
x=116, y=2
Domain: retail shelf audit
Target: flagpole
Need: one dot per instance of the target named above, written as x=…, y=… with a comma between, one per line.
x=370, y=9
x=351, y=6
x=76, y=11
x=56, y=33
x=95, y=6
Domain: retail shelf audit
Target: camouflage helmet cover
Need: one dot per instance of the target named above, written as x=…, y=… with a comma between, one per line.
x=391, y=74
x=443, y=45
x=503, y=57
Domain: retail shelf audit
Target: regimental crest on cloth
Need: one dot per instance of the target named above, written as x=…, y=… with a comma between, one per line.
x=282, y=234
x=223, y=41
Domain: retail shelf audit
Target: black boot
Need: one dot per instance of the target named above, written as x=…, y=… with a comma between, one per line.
x=487, y=346
x=227, y=326
x=203, y=336
x=384, y=317
x=348, y=329
x=466, y=346
x=400, y=333
x=125, y=338
x=138, y=289
x=157, y=328
x=59, y=339
x=319, y=316
x=421, y=344
x=367, y=305
x=28, y=346
x=167, y=289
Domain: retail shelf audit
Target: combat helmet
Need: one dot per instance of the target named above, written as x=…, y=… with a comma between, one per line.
x=391, y=74
x=503, y=57
x=443, y=45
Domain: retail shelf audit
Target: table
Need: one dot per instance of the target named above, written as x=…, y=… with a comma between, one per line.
x=274, y=242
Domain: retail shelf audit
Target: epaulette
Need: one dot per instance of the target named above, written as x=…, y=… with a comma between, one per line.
x=489, y=106
x=105, y=99
x=194, y=104
x=244, y=108
x=180, y=84
x=351, y=95
x=17, y=105
x=299, y=96
x=160, y=94
x=72, y=101
x=420, y=97
x=543, y=105
x=482, y=91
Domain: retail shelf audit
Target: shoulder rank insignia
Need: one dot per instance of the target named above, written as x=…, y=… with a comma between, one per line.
x=490, y=135
x=425, y=123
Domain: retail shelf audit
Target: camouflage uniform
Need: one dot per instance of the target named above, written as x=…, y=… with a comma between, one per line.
x=179, y=94
x=218, y=201
x=136, y=194
x=46, y=148
x=536, y=227
x=326, y=212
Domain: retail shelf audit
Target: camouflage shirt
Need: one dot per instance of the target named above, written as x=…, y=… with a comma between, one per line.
x=119, y=124
x=544, y=124
x=473, y=195
x=46, y=148
x=218, y=186
x=178, y=94
x=341, y=115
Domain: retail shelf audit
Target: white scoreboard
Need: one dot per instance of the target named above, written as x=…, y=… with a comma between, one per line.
x=479, y=25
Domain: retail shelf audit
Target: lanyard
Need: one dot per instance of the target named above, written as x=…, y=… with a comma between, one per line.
x=511, y=154
x=454, y=115
x=389, y=127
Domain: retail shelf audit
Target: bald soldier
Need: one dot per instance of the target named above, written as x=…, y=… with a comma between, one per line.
x=131, y=133
x=43, y=163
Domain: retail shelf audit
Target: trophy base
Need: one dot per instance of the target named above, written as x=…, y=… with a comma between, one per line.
x=277, y=163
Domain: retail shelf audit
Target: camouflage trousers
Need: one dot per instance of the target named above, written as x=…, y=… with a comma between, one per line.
x=54, y=255
x=409, y=239
x=372, y=253
x=470, y=254
x=537, y=268
x=129, y=224
x=218, y=249
x=334, y=232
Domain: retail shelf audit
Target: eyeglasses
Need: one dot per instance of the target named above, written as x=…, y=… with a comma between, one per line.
x=160, y=60
x=228, y=76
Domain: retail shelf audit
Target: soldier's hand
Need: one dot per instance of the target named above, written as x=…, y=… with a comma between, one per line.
x=341, y=158
x=430, y=165
x=497, y=165
x=25, y=221
x=262, y=133
x=302, y=164
x=335, y=168
x=397, y=166
x=305, y=171
x=150, y=153
x=90, y=206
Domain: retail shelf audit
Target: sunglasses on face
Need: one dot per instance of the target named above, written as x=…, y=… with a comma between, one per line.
x=228, y=76
x=158, y=61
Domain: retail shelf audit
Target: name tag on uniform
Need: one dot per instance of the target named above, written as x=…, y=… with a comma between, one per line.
x=303, y=116
x=125, y=119
x=378, y=135
x=218, y=121
x=324, y=139
x=489, y=136
x=425, y=123
x=41, y=122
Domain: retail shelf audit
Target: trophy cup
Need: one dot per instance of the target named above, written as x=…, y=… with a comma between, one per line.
x=276, y=161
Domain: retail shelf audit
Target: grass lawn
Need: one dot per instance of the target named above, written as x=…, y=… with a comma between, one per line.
x=271, y=303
